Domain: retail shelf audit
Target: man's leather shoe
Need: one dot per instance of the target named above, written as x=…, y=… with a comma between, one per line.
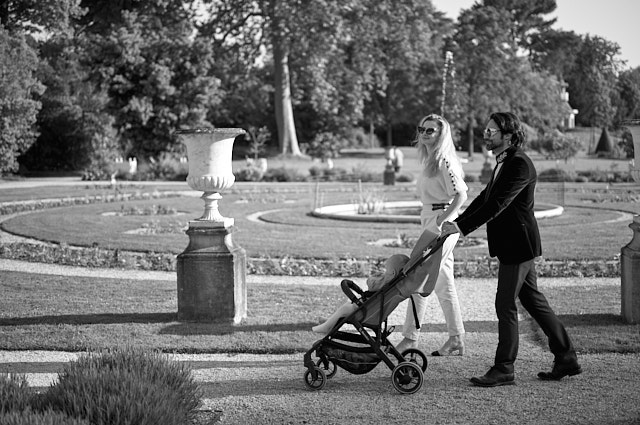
x=560, y=370
x=493, y=378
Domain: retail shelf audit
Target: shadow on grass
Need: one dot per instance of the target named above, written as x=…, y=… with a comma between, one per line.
x=91, y=319
x=199, y=328
x=597, y=333
x=575, y=320
x=483, y=326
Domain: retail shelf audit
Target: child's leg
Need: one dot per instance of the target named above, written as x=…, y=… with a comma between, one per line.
x=342, y=311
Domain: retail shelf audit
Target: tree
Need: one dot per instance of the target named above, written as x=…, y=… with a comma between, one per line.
x=38, y=16
x=592, y=81
x=75, y=127
x=555, y=51
x=483, y=50
x=493, y=75
x=399, y=48
x=626, y=97
x=19, y=106
x=272, y=24
x=156, y=75
x=527, y=18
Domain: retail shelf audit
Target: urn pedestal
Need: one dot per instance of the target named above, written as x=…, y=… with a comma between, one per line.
x=212, y=269
x=630, y=254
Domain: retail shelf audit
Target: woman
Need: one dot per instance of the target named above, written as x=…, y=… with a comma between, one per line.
x=442, y=191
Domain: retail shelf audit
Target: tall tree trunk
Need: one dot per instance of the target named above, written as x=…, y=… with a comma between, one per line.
x=287, y=139
x=387, y=116
x=470, y=138
x=371, y=133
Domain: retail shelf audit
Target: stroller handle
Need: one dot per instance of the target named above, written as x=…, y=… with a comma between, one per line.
x=435, y=245
x=348, y=287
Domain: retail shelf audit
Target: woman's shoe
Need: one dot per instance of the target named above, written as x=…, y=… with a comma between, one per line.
x=454, y=344
x=405, y=344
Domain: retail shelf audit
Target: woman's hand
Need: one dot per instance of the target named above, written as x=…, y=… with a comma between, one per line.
x=448, y=228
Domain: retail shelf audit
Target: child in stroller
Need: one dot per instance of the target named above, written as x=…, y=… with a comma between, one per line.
x=361, y=352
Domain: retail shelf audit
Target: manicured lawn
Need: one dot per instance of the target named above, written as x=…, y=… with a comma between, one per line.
x=73, y=314
x=593, y=227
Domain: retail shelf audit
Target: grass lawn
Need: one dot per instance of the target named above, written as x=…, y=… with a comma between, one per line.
x=593, y=227
x=73, y=314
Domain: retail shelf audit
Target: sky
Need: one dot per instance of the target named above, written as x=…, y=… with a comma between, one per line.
x=614, y=20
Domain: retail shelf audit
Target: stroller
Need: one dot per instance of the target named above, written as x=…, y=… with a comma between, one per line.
x=359, y=353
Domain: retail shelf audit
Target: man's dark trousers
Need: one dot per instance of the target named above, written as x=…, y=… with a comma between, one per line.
x=519, y=281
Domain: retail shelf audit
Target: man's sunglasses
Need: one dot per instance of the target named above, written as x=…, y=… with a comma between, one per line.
x=428, y=131
x=490, y=131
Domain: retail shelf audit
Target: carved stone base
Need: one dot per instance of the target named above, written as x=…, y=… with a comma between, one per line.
x=486, y=172
x=630, y=269
x=212, y=275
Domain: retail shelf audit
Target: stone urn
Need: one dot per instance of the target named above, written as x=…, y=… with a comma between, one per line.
x=630, y=258
x=209, y=153
x=212, y=269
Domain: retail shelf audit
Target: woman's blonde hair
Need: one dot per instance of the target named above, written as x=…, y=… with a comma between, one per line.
x=444, y=149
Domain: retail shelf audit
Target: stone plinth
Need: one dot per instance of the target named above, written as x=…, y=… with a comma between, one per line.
x=630, y=269
x=630, y=255
x=486, y=172
x=212, y=275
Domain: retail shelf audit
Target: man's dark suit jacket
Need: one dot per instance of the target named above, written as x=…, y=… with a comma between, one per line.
x=512, y=230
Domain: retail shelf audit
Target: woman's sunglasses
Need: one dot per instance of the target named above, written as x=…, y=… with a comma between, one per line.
x=428, y=131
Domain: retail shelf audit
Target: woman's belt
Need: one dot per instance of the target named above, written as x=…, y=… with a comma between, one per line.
x=435, y=207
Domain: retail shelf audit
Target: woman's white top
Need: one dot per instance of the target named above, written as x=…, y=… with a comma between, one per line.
x=441, y=188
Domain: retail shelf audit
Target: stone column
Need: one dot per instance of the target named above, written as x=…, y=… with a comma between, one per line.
x=212, y=269
x=630, y=255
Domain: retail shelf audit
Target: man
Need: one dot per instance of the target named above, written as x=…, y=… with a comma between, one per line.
x=506, y=205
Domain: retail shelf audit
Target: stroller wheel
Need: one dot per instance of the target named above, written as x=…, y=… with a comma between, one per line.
x=316, y=383
x=407, y=377
x=331, y=368
x=416, y=356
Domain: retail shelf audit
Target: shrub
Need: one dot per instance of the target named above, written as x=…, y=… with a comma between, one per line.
x=259, y=139
x=555, y=175
x=282, y=174
x=598, y=176
x=471, y=178
x=335, y=174
x=14, y=393
x=405, y=178
x=323, y=146
x=357, y=138
x=360, y=172
x=125, y=386
x=249, y=174
x=556, y=145
x=29, y=417
x=166, y=167
x=626, y=143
